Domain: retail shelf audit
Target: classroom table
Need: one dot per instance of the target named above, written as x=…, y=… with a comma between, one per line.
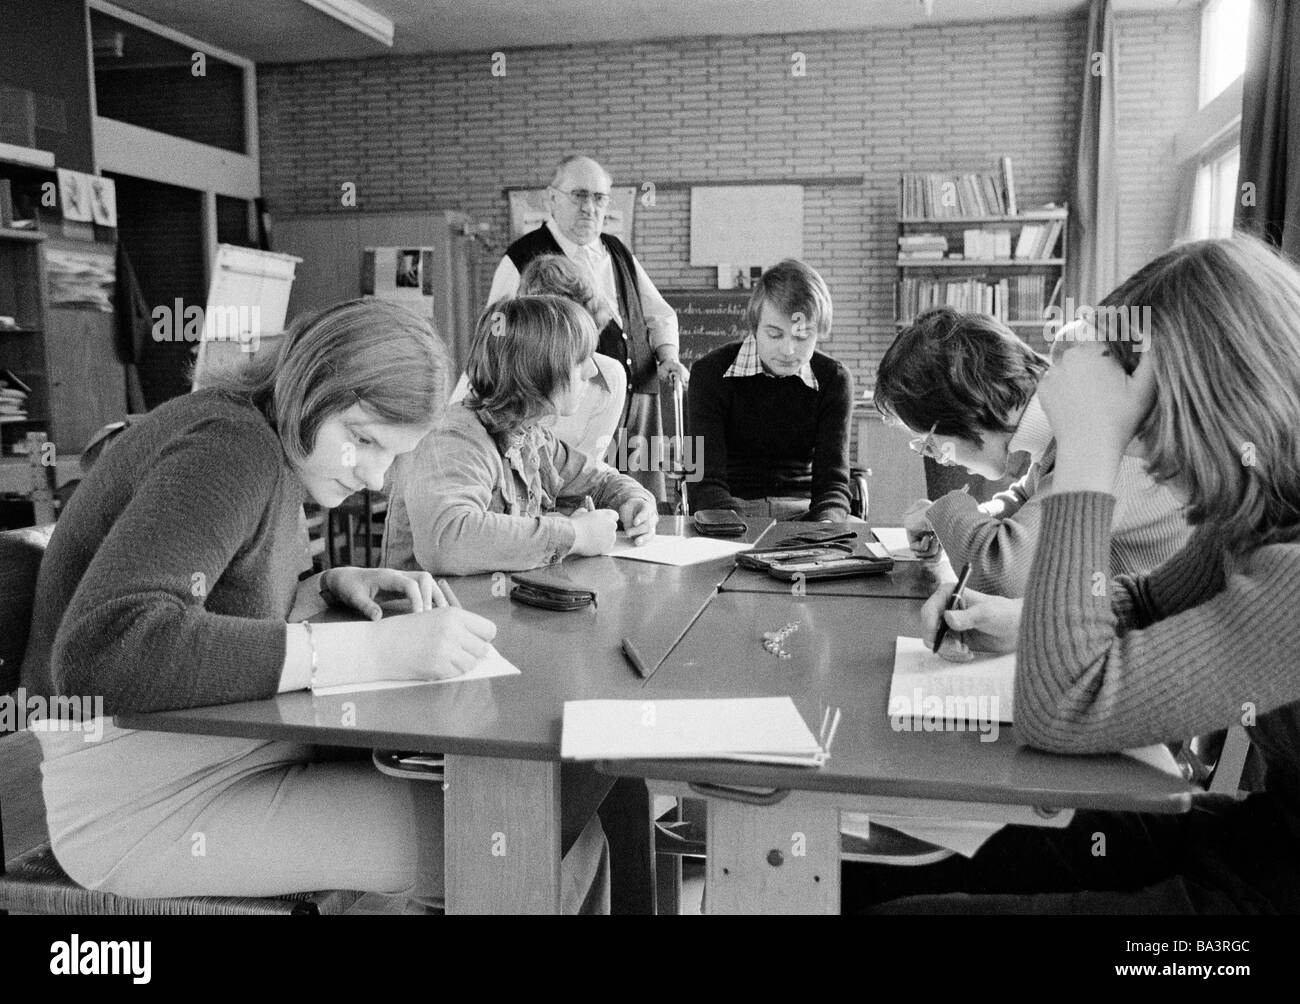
x=907, y=579
x=501, y=736
x=842, y=656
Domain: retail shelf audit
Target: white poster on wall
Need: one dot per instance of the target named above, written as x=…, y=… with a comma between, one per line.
x=746, y=224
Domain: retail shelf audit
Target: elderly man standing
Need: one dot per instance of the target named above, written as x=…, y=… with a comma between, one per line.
x=642, y=334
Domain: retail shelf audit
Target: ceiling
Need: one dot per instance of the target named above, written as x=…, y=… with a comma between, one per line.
x=278, y=31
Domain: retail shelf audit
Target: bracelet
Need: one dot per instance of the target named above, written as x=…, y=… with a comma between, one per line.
x=311, y=640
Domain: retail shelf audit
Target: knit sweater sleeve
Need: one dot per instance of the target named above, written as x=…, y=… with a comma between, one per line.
x=1207, y=647
x=830, y=466
x=999, y=550
x=136, y=629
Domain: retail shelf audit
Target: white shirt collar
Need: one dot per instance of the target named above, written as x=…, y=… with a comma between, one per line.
x=748, y=364
x=595, y=249
x=1033, y=433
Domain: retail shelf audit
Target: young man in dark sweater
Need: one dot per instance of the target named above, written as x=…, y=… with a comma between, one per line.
x=771, y=412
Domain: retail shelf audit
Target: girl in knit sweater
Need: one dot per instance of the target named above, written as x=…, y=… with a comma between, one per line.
x=168, y=583
x=1206, y=641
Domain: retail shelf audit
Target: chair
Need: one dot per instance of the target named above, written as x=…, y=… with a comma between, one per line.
x=34, y=882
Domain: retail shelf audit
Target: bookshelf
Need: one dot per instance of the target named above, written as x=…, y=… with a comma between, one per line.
x=60, y=359
x=962, y=243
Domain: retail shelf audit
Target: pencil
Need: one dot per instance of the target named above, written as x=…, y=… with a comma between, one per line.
x=446, y=591
x=635, y=660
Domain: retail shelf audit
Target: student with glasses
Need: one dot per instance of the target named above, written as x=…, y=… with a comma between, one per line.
x=968, y=387
x=641, y=328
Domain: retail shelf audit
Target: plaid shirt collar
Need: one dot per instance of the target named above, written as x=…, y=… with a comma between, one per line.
x=747, y=364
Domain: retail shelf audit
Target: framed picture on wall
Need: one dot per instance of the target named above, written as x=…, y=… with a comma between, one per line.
x=529, y=209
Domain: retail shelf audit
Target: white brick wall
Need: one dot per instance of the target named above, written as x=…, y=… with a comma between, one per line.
x=441, y=131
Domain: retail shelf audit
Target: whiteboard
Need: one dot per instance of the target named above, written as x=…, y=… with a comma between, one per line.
x=746, y=224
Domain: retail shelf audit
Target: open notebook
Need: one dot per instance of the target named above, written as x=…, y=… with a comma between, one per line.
x=753, y=729
x=927, y=693
x=492, y=664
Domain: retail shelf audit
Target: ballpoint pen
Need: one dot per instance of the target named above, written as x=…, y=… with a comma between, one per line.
x=954, y=603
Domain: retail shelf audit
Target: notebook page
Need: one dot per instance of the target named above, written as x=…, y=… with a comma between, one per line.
x=492, y=664
x=664, y=549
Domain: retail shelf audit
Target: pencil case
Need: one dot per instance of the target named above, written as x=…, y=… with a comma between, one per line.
x=549, y=595
x=719, y=523
x=762, y=559
x=843, y=567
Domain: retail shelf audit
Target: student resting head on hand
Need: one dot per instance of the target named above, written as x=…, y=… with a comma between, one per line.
x=967, y=389
x=1207, y=641
x=488, y=489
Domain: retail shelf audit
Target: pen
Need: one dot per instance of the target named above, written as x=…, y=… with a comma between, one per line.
x=635, y=660
x=588, y=504
x=953, y=604
x=446, y=591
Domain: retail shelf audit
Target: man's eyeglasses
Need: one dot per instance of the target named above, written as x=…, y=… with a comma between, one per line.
x=927, y=447
x=579, y=197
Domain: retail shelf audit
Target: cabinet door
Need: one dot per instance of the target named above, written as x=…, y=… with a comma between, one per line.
x=87, y=381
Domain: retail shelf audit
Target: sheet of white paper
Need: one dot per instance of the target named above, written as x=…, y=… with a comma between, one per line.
x=665, y=549
x=757, y=727
x=964, y=836
x=895, y=538
x=927, y=686
x=492, y=664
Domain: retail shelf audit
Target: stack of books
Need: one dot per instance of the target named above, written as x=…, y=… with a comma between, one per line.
x=987, y=244
x=13, y=398
x=912, y=247
x=1038, y=240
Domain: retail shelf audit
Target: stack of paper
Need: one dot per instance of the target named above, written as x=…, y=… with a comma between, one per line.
x=753, y=729
x=492, y=664
x=927, y=688
x=895, y=538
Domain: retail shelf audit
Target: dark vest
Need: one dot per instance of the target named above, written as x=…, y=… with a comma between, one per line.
x=630, y=344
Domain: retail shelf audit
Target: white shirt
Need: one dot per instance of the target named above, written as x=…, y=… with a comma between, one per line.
x=660, y=318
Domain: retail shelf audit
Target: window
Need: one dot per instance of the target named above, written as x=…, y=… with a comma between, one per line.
x=1215, y=199
x=1223, y=45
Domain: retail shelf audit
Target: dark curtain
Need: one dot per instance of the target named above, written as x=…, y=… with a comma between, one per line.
x=1268, y=186
x=1092, y=266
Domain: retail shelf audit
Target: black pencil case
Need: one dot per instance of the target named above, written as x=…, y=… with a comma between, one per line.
x=719, y=523
x=550, y=596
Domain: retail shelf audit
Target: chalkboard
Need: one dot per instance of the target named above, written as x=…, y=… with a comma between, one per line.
x=707, y=319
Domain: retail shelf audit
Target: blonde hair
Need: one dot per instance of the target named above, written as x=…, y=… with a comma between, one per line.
x=367, y=352
x=1225, y=344
x=525, y=349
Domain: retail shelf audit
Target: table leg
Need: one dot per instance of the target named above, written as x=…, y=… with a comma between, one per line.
x=782, y=858
x=502, y=835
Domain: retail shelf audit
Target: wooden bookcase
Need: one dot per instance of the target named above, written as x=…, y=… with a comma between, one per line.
x=1025, y=319
x=65, y=355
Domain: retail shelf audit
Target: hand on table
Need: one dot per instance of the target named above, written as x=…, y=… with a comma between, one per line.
x=436, y=645
x=594, y=531
x=358, y=587
x=639, y=516
x=920, y=532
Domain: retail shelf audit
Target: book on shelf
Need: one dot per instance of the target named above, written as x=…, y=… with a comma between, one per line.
x=940, y=195
x=984, y=243
x=1012, y=299
x=1008, y=185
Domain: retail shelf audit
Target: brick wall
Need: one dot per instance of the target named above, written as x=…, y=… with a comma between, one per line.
x=442, y=132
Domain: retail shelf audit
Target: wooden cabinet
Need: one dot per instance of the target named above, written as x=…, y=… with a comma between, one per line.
x=66, y=356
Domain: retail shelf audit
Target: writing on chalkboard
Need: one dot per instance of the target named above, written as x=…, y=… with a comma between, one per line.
x=707, y=319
